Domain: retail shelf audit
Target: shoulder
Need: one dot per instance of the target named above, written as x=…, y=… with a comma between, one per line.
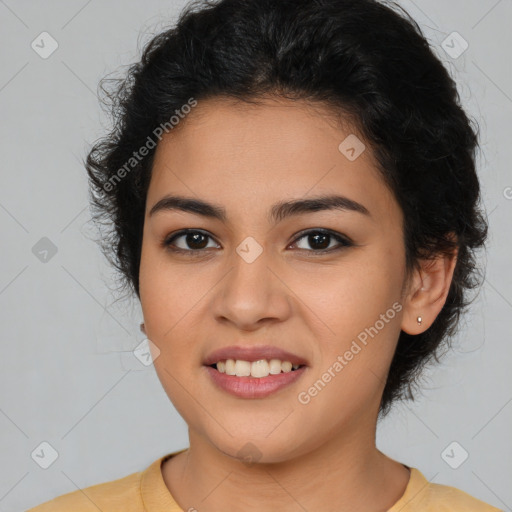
x=422, y=495
x=123, y=493
x=448, y=498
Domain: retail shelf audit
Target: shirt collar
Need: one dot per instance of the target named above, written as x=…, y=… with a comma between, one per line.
x=155, y=494
x=157, y=498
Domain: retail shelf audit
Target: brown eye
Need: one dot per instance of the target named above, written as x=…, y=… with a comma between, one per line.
x=191, y=240
x=320, y=241
x=194, y=241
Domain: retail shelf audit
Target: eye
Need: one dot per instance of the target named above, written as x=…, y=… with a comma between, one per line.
x=192, y=238
x=195, y=241
x=320, y=239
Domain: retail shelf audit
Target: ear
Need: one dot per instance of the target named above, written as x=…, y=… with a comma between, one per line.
x=428, y=291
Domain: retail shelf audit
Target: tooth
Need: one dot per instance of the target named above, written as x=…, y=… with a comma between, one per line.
x=242, y=368
x=259, y=368
x=286, y=366
x=275, y=366
x=230, y=367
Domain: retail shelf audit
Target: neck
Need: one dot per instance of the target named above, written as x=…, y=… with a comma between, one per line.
x=346, y=473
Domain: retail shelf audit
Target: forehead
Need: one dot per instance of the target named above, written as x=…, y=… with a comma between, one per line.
x=270, y=126
x=254, y=153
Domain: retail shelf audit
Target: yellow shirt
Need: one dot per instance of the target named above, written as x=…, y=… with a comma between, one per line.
x=145, y=491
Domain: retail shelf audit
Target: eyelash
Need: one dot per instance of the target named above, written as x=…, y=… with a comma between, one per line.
x=345, y=242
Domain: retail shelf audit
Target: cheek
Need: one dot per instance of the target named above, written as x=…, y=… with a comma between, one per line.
x=357, y=313
x=350, y=296
x=165, y=292
x=163, y=305
x=173, y=298
x=167, y=297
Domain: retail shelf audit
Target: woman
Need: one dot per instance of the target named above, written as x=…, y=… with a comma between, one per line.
x=294, y=200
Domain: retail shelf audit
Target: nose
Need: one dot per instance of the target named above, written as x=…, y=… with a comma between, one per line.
x=252, y=294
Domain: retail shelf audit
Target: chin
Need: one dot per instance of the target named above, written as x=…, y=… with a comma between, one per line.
x=252, y=449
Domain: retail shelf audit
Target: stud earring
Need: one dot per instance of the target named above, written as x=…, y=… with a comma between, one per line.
x=142, y=328
x=419, y=320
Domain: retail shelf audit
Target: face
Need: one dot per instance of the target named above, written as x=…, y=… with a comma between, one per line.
x=323, y=284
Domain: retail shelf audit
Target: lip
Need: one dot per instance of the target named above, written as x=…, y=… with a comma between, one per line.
x=253, y=353
x=253, y=387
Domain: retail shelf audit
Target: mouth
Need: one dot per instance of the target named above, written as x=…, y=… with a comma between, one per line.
x=253, y=372
x=254, y=353
x=257, y=369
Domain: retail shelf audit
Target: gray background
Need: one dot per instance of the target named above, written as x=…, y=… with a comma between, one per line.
x=68, y=375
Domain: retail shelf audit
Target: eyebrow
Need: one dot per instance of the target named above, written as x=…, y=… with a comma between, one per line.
x=278, y=212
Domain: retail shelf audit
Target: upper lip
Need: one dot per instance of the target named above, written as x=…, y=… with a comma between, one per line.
x=253, y=353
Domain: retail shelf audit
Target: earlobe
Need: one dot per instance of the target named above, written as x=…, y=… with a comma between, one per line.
x=429, y=293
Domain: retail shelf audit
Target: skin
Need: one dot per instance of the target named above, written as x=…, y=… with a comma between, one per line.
x=322, y=455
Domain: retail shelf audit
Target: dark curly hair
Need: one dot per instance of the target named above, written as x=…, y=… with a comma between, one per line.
x=367, y=62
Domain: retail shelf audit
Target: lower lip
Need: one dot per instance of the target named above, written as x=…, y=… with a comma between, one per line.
x=253, y=387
